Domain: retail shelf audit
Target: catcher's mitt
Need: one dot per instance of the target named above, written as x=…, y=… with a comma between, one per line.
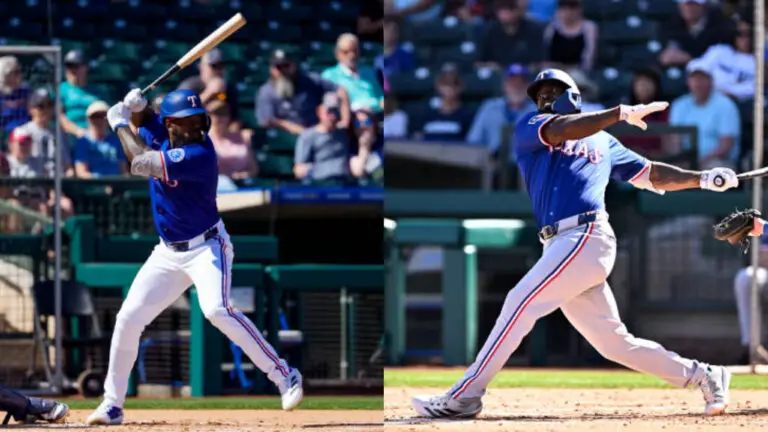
x=735, y=228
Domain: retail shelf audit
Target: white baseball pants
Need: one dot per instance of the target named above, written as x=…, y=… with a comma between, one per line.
x=571, y=275
x=742, y=284
x=164, y=277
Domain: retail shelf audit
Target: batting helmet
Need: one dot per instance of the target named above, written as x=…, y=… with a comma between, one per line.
x=551, y=75
x=183, y=103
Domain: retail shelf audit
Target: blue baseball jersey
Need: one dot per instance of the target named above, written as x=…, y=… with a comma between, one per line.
x=570, y=178
x=184, y=200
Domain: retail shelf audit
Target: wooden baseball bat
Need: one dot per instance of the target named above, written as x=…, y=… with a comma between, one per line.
x=205, y=45
x=761, y=172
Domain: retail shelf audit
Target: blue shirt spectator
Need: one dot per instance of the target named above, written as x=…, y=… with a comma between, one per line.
x=13, y=94
x=361, y=82
x=414, y=10
x=450, y=119
x=395, y=58
x=715, y=116
x=496, y=113
x=99, y=152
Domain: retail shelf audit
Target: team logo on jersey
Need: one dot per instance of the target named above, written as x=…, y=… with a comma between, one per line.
x=176, y=155
x=578, y=148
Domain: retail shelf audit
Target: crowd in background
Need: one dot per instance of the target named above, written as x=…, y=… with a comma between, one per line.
x=696, y=53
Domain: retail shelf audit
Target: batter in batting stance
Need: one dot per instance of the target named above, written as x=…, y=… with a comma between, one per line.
x=173, y=151
x=567, y=160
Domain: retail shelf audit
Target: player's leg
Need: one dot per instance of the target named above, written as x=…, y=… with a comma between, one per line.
x=595, y=315
x=742, y=286
x=572, y=262
x=27, y=409
x=211, y=271
x=159, y=283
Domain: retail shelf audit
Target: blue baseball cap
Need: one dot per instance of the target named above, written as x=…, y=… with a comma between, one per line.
x=516, y=69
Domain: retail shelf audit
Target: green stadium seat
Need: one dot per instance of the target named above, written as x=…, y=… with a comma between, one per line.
x=600, y=10
x=321, y=52
x=612, y=82
x=287, y=12
x=482, y=84
x=122, y=50
x=337, y=11
x=639, y=56
x=170, y=50
x=673, y=83
x=463, y=55
x=630, y=30
x=449, y=31
x=279, y=141
x=109, y=72
x=659, y=10
x=66, y=45
x=281, y=32
x=274, y=165
x=233, y=52
x=419, y=83
x=248, y=116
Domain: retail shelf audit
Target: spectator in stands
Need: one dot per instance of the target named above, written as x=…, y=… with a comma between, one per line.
x=450, y=119
x=510, y=38
x=495, y=113
x=414, y=11
x=692, y=31
x=41, y=129
x=367, y=159
x=22, y=164
x=542, y=11
x=570, y=40
x=468, y=11
x=733, y=65
x=99, y=152
x=236, y=160
x=715, y=115
x=646, y=88
x=323, y=151
x=395, y=120
x=210, y=83
x=394, y=59
x=742, y=290
x=13, y=94
x=360, y=81
x=290, y=98
x=76, y=96
x=370, y=23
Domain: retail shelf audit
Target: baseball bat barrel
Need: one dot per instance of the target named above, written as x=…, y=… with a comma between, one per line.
x=205, y=45
x=762, y=172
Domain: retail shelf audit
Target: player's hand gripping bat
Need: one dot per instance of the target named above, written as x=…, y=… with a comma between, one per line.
x=205, y=45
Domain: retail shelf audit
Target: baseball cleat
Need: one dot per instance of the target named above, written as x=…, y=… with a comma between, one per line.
x=106, y=414
x=446, y=407
x=57, y=413
x=714, y=387
x=291, y=390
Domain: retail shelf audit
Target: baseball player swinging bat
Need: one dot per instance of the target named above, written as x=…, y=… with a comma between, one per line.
x=205, y=45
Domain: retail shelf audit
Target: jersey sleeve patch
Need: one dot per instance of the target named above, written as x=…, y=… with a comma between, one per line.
x=176, y=155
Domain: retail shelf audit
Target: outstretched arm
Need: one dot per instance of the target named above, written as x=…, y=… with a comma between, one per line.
x=671, y=178
x=576, y=126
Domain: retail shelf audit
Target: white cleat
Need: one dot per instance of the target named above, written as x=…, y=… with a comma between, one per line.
x=106, y=414
x=291, y=390
x=715, y=389
x=446, y=407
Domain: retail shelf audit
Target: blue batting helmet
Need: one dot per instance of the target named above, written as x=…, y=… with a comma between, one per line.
x=181, y=103
x=551, y=75
x=567, y=103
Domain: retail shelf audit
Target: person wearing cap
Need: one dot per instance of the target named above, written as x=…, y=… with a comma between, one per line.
x=13, y=94
x=494, y=114
x=447, y=119
x=688, y=34
x=360, y=81
x=570, y=40
x=41, y=129
x=99, y=152
x=323, y=151
x=715, y=116
x=510, y=38
x=211, y=84
x=75, y=93
x=289, y=99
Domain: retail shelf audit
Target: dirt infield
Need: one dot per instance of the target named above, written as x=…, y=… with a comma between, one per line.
x=227, y=421
x=585, y=410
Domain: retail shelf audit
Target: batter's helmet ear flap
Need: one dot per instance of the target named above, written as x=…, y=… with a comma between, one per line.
x=567, y=103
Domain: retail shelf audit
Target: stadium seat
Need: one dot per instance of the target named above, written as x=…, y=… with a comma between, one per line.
x=280, y=32
x=337, y=11
x=612, y=82
x=673, y=83
x=122, y=50
x=248, y=116
x=600, y=10
x=463, y=55
x=288, y=11
x=21, y=29
x=274, y=165
x=321, y=52
x=182, y=31
x=109, y=72
x=119, y=29
x=326, y=31
x=170, y=50
x=280, y=141
x=233, y=52
x=70, y=27
x=658, y=10
x=412, y=84
x=252, y=11
x=446, y=32
x=27, y=10
x=639, y=56
x=630, y=30
x=88, y=49
x=482, y=84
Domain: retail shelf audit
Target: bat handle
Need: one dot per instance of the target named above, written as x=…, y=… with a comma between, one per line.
x=167, y=74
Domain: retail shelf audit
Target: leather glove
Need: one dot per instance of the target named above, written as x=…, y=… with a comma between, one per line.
x=134, y=101
x=118, y=116
x=718, y=179
x=633, y=114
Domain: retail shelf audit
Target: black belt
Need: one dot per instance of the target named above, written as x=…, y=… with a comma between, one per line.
x=550, y=231
x=184, y=245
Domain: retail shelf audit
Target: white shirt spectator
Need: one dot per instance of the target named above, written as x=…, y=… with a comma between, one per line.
x=733, y=72
x=396, y=125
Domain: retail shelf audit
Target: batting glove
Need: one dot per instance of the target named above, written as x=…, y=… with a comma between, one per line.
x=135, y=101
x=633, y=114
x=118, y=116
x=718, y=179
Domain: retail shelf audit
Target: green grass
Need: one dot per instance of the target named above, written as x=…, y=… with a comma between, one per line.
x=552, y=379
x=240, y=403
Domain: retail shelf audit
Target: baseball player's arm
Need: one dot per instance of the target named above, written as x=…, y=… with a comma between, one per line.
x=576, y=126
x=133, y=144
x=671, y=178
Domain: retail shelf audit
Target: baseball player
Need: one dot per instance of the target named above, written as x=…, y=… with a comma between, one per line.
x=567, y=159
x=173, y=151
x=27, y=409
